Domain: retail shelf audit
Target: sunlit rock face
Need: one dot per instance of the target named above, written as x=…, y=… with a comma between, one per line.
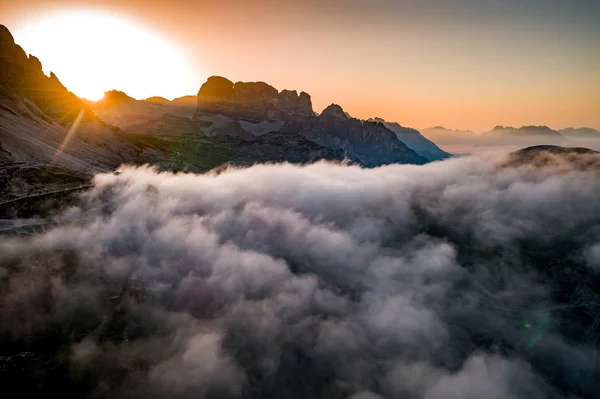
x=257, y=103
x=216, y=87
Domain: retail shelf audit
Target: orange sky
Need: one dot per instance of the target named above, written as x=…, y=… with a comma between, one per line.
x=462, y=64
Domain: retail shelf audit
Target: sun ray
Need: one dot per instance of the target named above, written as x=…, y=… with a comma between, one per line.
x=68, y=136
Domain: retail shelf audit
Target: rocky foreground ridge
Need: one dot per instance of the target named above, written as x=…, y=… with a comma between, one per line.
x=37, y=113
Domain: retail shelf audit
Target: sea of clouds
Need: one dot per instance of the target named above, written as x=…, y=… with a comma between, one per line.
x=469, y=278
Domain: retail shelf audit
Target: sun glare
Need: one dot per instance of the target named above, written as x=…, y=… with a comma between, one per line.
x=93, y=52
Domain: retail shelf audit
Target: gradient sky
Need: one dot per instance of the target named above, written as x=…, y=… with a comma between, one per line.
x=459, y=63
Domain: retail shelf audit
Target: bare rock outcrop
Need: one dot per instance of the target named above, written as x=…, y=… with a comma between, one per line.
x=369, y=143
x=251, y=101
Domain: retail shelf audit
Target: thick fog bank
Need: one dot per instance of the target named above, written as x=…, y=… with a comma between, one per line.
x=469, y=278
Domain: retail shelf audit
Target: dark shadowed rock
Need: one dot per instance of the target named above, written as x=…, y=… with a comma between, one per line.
x=257, y=92
x=369, y=143
x=333, y=112
x=288, y=97
x=5, y=36
x=13, y=60
x=251, y=101
x=290, y=101
x=304, y=102
x=37, y=112
x=22, y=75
x=556, y=157
x=415, y=141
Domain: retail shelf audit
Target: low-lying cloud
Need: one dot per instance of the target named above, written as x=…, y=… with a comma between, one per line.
x=467, y=278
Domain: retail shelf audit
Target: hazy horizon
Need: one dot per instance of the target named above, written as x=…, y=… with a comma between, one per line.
x=468, y=65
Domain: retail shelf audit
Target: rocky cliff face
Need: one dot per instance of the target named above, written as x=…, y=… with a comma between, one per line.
x=22, y=75
x=370, y=143
x=415, y=140
x=42, y=122
x=252, y=105
x=251, y=101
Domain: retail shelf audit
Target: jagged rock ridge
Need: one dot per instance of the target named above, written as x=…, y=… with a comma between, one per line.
x=251, y=101
x=258, y=104
x=415, y=140
x=42, y=123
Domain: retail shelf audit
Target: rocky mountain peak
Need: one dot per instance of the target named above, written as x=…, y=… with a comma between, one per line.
x=251, y=101
x=251, y=107
x=334, y=111
x=115, y=97
x=216, y=87
x=539, y=129
x=254, y=91
x=5, y=36
x=23, y=76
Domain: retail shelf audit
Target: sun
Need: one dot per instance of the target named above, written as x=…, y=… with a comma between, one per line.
x=93, y=52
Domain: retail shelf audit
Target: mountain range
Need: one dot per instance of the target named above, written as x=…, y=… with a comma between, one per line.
x=47, y=130
x=457, y=141
x=41, y=122
x=251, y=110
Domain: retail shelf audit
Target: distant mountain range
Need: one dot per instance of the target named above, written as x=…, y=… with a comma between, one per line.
x=582, y=132
x=506, y=136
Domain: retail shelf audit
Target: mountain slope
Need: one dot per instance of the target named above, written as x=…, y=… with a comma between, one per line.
x=248, y=110
x=42, y=122
x=415, y=141
x=502, y=137
x=134, y=116
x=256, y=106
